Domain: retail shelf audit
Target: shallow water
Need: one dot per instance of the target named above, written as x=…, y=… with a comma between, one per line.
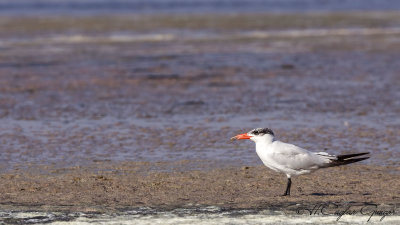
x=188, y=6
x=199, y=215
x=76, y=99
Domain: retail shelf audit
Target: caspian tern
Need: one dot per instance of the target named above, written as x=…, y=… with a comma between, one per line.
x=291, y=159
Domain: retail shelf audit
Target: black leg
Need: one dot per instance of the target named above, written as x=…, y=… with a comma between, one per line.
x=289, y=183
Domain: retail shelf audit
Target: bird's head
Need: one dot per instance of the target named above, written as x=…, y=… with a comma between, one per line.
x=256, y=135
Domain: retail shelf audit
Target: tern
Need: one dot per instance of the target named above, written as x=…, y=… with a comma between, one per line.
x=291, y=159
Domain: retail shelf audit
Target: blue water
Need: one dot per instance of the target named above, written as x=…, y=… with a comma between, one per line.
x=23, y=7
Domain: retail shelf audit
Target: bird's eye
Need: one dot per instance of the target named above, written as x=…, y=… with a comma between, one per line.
x=255, y=132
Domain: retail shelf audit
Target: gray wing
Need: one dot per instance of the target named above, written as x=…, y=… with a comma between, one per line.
x=294, y=157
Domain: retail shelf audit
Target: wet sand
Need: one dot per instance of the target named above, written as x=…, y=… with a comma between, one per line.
x=111, y=118
x=35, y=25
x=128, y=186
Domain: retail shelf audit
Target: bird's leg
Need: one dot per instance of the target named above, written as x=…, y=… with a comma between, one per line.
x=289, y=183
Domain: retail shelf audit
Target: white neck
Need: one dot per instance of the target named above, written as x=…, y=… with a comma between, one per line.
x=263, y=140
x=263, y=145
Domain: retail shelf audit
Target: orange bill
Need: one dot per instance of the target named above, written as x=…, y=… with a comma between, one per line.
x=241, y=136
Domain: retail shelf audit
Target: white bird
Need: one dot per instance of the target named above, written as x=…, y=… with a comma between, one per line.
x=291, y=159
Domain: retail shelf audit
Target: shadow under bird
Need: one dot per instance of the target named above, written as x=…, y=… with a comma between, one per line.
x=291, y=159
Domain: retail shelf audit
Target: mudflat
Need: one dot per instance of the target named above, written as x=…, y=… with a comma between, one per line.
x=138, y=111
x=130, y=185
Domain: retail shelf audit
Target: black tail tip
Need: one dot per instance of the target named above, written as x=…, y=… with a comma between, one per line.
x=347, y=159
x=348, y=156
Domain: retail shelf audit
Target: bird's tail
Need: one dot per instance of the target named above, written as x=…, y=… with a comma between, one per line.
x=346, y=159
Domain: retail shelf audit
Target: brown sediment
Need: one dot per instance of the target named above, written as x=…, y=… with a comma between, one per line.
x=101, y=23
x=126, y=186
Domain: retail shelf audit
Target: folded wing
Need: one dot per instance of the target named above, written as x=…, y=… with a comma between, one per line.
x=296, y=158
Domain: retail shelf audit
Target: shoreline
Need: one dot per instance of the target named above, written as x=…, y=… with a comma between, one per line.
x=129, y=117
x=40, y=26
x=124, y=187
x=348, y=213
